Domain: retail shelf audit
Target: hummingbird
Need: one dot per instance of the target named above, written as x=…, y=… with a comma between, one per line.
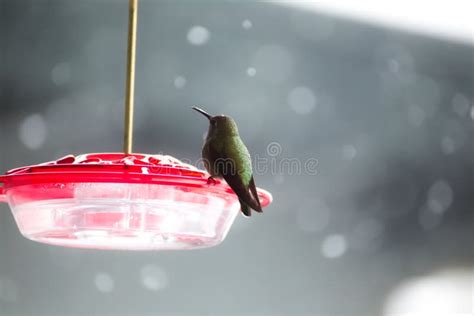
x=226, y=156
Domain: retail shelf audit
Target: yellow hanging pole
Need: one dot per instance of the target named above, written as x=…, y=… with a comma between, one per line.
x=130, y=85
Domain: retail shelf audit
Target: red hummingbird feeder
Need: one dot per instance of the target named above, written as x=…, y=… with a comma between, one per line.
x=121, y=200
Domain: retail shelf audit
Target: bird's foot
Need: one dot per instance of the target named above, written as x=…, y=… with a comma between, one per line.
x=211, y=181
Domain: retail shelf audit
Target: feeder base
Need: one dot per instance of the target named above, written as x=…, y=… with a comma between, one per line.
x=95, y=223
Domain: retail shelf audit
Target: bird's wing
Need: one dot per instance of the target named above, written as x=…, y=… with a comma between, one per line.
x=253, y=191
x=237, y=172
x=242, y=192
x=206, y=155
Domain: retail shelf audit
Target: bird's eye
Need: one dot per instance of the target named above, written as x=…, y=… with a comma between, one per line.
x=213, y=122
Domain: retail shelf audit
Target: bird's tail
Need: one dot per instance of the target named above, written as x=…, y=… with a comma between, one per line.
x=253, y=192
x=248, y=197
x=246, y=210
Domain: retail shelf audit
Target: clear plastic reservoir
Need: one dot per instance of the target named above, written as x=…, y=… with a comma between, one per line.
x=127, y=216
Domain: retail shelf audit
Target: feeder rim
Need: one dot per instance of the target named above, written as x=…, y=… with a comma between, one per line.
x=115, y=168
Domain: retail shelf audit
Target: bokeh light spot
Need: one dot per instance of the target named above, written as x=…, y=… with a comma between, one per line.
x=104, y=282
x=247, y=24
x=448, y=146
x=440, y=196
x=251, y=72
x=179, y=82
x=416, y=115
x=334, y=246
x=302, y=100
x=198, y=35
x=153, y=277
x=32, y=131
x=61, y=73
x=443, y=293
x=349, y=152
x=460, y=104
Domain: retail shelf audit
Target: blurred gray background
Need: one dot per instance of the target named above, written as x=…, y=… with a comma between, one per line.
x=389, y=115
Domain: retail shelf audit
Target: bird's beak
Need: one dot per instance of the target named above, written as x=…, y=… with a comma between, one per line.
x=202, y=112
